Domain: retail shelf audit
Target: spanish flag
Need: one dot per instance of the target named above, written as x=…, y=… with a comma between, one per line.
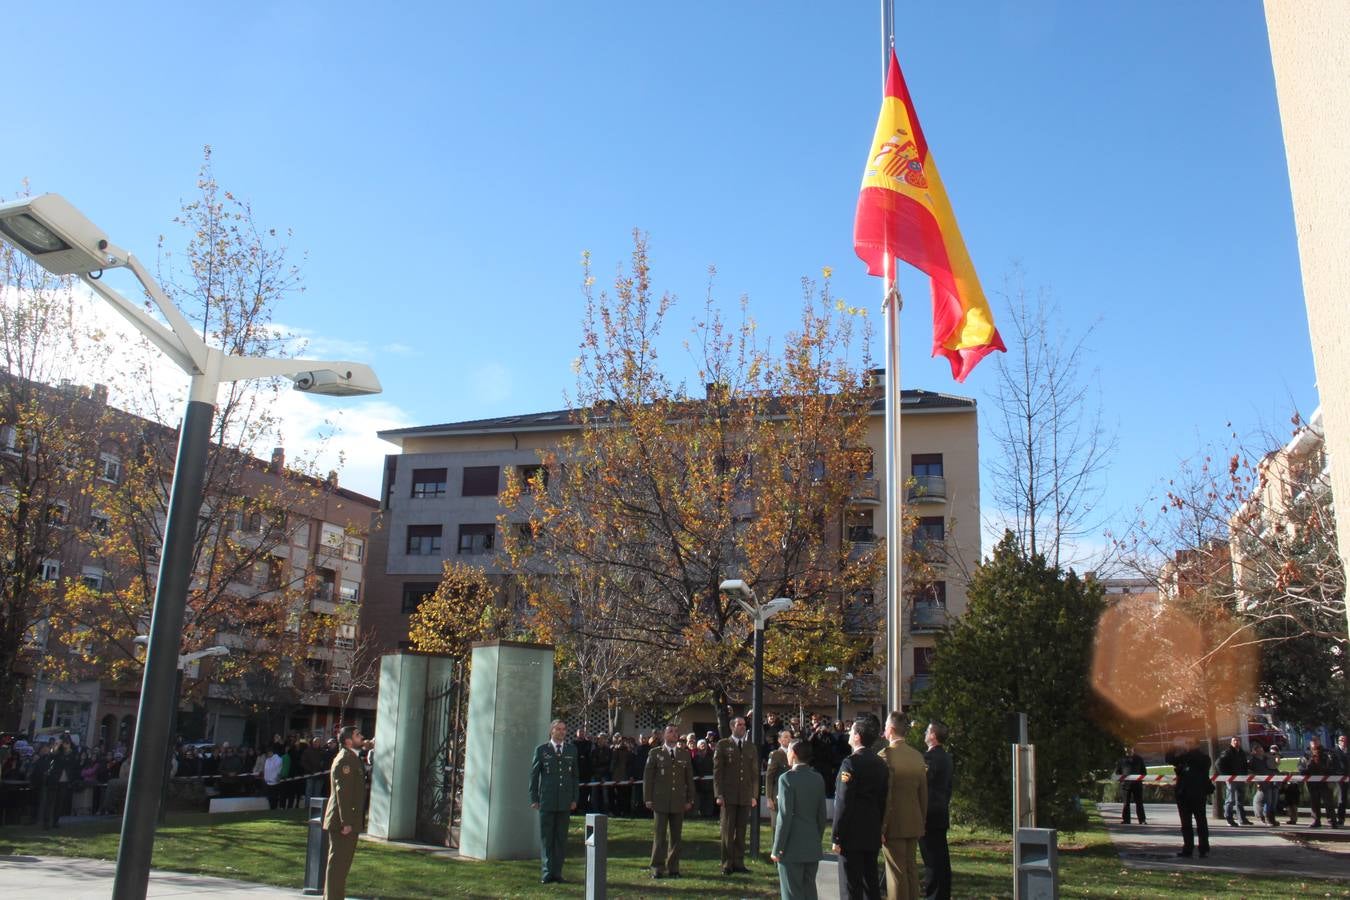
x=904, y=213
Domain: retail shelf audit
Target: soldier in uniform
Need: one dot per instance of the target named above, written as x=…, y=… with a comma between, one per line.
x=668, y=791
x=778, y=764
x=798, y=825
x=906, y=811
x=344, y=813
x=736, y=785
x=553, y=791
x=859, y=802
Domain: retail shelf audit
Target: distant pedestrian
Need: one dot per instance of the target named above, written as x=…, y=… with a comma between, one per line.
x=344, y=813
x=859, y=804
x=799, y=823
x=554, y=792
x=1263, y=795
x=1233, y=761
x=1193, y=788
x=1131, y=791
x=1317, y=762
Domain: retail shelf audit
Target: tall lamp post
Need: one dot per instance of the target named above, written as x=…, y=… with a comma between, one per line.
x=744, y=595
x=839, y=691
x=59, y=238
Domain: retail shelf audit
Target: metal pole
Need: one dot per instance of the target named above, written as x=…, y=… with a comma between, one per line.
x=757, y=731
x=839, y=703
x=895, y=516
x=171, y=746
x=161, y=660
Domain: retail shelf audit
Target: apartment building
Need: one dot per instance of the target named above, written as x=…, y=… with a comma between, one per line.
x=293, y=540
x=440, y=502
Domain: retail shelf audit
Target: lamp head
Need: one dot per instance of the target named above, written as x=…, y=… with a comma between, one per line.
x=349, y=379
x=56, y=235
x=736, y=588
x=776, y=606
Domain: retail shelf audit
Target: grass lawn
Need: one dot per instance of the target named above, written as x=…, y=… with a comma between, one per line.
x=269, y=848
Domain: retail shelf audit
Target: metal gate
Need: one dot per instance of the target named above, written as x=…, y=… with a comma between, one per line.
x=442, y=771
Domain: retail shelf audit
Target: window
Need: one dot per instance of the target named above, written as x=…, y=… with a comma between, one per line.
x=424, y=540
x=476, y=539
x=332, y=537
x=428, y=483
x=344, y=643
x=528, y=474
x=353, y=549
x=480, y=481
x=923, y=464
x=276, y=574
x=860, y=527
x=932, y=594
x=92, y=577
x=415, y=592
x=931, y=529
x=525, y=532
x=923, y=660
x=56, y=514
x=99, y=523
x=109, y=468
x=327, y=580
x=300, y=537
x=350, y=591
x=249, y=520
x=9, y=439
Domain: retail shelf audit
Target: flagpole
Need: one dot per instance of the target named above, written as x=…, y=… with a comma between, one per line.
x=891, y=304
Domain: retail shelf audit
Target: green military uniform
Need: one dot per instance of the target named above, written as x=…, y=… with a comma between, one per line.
x=346, y=808
x=798, y=827
x=668, y=788
x=903, y=821
x=736, y=784
x=554, y=787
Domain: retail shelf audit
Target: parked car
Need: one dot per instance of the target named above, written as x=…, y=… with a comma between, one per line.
x=1261, y=730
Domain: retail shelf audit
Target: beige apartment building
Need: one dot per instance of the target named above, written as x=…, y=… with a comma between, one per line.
x=440, y=502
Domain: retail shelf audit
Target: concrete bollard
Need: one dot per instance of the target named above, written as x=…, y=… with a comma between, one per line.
x=597, y=854
x=316, y=847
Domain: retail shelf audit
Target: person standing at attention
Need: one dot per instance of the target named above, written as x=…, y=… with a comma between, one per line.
x=736, y=784
x=799, y=823
x=668, y=791
x=553, y=791
x=937, y=861
x=344, y=814
x=859, y=803
x=906, y=811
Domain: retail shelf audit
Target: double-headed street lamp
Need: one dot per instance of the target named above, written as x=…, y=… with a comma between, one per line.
x=59, y=238
x=844, y=679
x=743, y=594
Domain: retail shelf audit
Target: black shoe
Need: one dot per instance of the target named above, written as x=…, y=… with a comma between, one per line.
x=726, y=870
x=1143, y=821
x=1204, y=853
x=1231, y=821
x=1185, y=853
x=741, y=869
x=672, y=874
x=1246, y=821
x=658, y=874
x=1315, y=825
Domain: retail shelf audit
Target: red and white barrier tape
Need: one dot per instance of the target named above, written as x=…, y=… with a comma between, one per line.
x=1240, y=779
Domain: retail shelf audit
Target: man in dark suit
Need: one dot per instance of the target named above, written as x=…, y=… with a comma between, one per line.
x=583, y=747
x=799, y=823
x=859, y=805
x=736, y=785
x=937, y=861
x=1193, y=788
x=1131, y=791
x=554, y=792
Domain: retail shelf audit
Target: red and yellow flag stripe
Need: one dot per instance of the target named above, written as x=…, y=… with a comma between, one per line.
x=903, y=213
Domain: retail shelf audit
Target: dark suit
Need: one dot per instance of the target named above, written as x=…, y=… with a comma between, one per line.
x=346, y=808
x=1193, y=788
x=937, y=861
x=859, y=806
x=553, y=785
x=798, y=824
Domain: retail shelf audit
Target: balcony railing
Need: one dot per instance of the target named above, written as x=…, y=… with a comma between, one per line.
x=928, y=489
x=927, y=617
x=865, y=490
x=933, y=549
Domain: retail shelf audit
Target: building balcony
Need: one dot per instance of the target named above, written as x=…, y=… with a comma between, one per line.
x=928, y=489
x=927, y=617
x=859, y=548
x=865, y=491
x=932, y=549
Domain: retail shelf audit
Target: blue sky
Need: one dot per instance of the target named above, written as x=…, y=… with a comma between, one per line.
x=444, y=166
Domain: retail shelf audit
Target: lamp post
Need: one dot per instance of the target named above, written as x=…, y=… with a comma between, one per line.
x=839, y=691
x=744, y=595
x=58, y=237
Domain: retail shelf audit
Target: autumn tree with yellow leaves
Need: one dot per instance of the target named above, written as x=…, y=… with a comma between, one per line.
x=625, y=533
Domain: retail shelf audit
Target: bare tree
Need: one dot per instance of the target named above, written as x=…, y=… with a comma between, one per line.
x=1047, y=422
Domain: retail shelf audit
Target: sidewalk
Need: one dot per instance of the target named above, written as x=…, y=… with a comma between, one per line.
x=92, y=879
x=1245, y=850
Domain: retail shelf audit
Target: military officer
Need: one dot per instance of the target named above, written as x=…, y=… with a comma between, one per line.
x=778, y=764
x=798, y=825
x=553, y=791
x=906, y=811
x=859, y=802
x=668, y=791
x=344, y=813
x=736, y=786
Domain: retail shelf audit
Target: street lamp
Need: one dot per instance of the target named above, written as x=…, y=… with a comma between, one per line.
x=59, y=238
x=744, y=595
x=839, y=691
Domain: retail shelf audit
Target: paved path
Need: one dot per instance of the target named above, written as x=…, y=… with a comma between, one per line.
x=1248, y=849
x=70, y=878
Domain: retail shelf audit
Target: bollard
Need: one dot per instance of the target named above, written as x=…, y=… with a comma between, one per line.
x=597, y=853
x=1037, y=854
x=316, y=847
